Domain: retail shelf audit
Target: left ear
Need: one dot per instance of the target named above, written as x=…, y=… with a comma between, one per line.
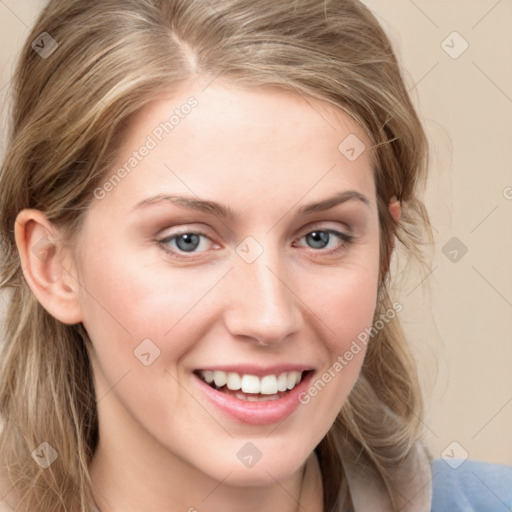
x=395, y=208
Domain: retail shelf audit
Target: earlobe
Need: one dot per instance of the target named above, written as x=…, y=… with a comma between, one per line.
x=47, y=266
x=395, y=208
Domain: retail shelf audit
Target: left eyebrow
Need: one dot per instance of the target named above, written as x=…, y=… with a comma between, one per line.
x=331, y=202
x=223, y=211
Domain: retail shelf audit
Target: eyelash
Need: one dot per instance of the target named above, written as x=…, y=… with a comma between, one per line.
x=346, y=241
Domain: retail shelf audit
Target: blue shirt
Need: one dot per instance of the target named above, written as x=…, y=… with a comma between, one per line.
x=471, y=486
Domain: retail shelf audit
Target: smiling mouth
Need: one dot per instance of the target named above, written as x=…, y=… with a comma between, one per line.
x=251, y=387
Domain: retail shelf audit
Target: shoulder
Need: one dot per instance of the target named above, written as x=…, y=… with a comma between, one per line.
x=470, y=486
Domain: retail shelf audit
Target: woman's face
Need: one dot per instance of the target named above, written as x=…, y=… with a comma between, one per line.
x=259, y=285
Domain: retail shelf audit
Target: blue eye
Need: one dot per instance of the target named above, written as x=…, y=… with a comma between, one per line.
x=320, y=238
x=189, y=241
x=183, y=242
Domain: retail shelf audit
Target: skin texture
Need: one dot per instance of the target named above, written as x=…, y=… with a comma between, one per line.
x=265, y=153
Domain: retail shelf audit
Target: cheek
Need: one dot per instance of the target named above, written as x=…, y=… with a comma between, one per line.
x=346, y=316
x=344, y=299
x=345, y=308
x=139, y=322
x=127, y=300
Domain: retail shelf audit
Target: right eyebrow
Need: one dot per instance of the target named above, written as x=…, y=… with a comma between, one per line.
x=191, y=203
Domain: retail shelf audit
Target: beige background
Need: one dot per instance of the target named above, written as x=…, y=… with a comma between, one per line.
x=458, y=312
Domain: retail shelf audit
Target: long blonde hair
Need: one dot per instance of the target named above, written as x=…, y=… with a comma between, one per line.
x=113, y=57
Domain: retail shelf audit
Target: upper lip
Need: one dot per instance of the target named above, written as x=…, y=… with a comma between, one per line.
x=259, y=371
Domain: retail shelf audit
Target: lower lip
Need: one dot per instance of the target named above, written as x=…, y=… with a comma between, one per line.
x=256, y=413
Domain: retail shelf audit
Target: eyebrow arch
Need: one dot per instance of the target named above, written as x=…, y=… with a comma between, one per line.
x=222, y=211
x=331, y=202
x=189, y=202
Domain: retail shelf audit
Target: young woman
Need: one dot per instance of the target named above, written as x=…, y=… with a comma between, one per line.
x=199, y=203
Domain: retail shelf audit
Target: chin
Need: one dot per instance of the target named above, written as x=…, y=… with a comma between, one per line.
x=262, y=473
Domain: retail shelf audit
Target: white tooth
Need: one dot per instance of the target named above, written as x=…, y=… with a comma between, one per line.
x=208, y=376
x=220, y=378
x=292, y=379
x=268, y=385
x=233, y=381
x=250, y=384
x=281, y=382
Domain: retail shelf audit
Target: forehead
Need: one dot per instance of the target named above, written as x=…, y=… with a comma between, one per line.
x=244, y=143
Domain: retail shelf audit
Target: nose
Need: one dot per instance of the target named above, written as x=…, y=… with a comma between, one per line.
x=261, y=304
